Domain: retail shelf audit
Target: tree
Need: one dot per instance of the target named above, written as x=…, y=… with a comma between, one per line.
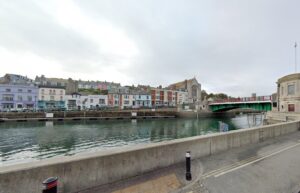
x=217, y=96
x=221, y=96
x=91, y=91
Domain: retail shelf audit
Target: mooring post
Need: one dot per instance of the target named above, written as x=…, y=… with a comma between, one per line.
x=188, y=175
x=50, y=185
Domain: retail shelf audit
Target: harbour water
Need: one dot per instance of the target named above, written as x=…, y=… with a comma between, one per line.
x=28, y=141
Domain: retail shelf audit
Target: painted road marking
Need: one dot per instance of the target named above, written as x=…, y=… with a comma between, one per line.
x=213, y=172
x=238, y=165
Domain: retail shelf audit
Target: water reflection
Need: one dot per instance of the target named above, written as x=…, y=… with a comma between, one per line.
x=25, y=141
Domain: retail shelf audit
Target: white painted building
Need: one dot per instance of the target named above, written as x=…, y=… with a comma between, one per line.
x=73, y=102
x=182, y=97
x=79, y=102
x=135, y=101
x=51, y=93
x=51, y=97
x=97, y=101
x=127, y=101
x=288, y=93
x=141, y=100
x=94, y=101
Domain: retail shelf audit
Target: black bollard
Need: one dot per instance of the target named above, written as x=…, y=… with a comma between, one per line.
x=188, y=175
x=50, y=185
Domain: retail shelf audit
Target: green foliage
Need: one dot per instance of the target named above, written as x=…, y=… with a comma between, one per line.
x=221, y=96
x=217, y=96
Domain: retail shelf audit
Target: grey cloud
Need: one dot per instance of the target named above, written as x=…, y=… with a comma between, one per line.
x=234, y=46
x=24, y=26
x=238, y=47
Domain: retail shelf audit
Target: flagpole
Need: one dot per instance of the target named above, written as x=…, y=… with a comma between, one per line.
x=295, y=57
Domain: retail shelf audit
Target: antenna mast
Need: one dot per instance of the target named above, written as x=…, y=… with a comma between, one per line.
x=295, y=57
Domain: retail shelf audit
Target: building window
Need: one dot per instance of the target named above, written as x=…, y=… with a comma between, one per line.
x=126, y=102
x=20, y=98
x=20, y=90
x=61, y=98
x=29, y=91
x=52, y=98
x=8, y=106
x=116, y=102
x=194, y=91
x=91, y=100
x=291, y=89
x=7, y=97
x=291, y=108
x=29, y=98
x=54, y=92
x=101, y=101
x=61, y=92
x=8, y=90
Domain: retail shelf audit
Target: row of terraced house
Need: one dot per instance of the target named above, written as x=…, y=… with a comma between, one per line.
x=133, y=100
x=19, y=93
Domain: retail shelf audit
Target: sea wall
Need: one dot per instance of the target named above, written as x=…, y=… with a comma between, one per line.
x=85, y=115
x=84, y=171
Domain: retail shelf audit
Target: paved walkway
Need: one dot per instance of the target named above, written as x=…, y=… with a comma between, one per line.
x=270, y=166
x=163, y=184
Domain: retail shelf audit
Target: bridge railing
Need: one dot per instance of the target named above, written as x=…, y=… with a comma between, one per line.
x=243, y=99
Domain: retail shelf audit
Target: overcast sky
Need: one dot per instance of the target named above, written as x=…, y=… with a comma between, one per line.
x=233, y=46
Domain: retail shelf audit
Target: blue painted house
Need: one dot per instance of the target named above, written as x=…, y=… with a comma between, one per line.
x=142, y=100
x=18, y=97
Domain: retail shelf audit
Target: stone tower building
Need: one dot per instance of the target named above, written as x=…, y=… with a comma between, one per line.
x=193, y=87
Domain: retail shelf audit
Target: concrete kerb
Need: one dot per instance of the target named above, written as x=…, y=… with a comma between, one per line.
x=93, y=169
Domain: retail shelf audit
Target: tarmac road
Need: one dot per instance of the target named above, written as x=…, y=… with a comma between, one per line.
x=271, y=166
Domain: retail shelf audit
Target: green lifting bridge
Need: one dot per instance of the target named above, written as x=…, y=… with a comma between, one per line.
x=256, y=105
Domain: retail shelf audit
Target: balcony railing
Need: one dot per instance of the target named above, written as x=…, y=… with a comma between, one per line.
x=243, y=99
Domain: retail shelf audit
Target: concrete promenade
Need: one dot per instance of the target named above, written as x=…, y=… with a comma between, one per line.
x=272, y=166
x=269, y=166
x=84, y=171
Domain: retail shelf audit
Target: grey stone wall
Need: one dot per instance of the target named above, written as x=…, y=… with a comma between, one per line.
x=83, y=171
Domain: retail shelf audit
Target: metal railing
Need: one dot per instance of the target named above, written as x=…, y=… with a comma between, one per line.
x=243, y=99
